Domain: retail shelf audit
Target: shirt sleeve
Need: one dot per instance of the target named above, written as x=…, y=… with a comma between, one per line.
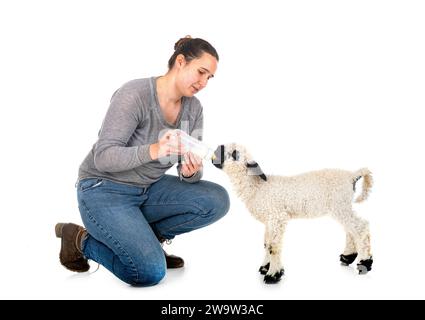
x=111, y=153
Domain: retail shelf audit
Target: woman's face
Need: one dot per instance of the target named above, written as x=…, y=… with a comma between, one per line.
x=192, y=77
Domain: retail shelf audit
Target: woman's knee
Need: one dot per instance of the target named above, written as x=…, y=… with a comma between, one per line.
x=145, y=267
x=147, y=276
x=217, y=202
x=151, y=278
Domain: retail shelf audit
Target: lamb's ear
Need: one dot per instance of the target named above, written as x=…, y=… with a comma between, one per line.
x=255, y=170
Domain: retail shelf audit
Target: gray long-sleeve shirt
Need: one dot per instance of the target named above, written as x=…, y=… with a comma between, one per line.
x=132, y=123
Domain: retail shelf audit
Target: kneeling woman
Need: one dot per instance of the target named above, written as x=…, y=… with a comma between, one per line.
x=128, y=205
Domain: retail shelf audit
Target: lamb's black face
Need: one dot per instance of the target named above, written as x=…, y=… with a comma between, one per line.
x=221, y=155
x=232, y=154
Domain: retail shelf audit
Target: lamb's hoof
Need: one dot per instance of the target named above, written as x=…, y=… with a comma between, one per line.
x=364, y=266
x=275, y=278
x=263, y=269
x=348, y=259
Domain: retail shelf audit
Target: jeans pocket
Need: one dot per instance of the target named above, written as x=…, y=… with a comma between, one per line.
x=89, y=184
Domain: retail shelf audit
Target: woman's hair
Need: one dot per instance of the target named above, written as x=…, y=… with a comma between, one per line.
x=191, y=48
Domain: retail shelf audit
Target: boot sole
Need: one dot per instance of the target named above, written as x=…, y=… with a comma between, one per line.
x=77, y=270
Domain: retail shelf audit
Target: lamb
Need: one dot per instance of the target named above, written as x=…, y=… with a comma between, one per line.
x=274, y=200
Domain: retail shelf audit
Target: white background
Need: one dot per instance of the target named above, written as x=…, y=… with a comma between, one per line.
x=304, y=85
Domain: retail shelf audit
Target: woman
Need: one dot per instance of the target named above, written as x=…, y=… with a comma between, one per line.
x=128, y=205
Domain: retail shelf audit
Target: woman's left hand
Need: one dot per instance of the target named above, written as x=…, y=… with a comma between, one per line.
x=191, y=164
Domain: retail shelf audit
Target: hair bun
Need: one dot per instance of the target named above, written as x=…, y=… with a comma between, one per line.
x=182, y=41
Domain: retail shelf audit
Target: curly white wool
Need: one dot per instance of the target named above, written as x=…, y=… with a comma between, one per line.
x=275, y=201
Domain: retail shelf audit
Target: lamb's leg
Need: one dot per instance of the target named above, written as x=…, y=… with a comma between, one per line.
x=359, y=228
x=350, y=252
x=276, y=230
x=266, y=262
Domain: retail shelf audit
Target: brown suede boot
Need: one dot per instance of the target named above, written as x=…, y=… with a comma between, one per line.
x=71, y=256
x=173, y=262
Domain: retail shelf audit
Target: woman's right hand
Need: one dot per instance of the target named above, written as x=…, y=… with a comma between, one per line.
x=168, y=144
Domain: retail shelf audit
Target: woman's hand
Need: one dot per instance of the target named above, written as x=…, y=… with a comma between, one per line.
x=168, y=144
x=191, y=164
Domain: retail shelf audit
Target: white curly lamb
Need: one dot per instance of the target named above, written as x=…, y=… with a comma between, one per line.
x=274, y=200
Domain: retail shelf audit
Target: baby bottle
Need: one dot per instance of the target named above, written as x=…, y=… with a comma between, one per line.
x=195, y=146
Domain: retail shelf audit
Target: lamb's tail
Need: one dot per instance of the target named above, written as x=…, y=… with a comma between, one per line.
x=367, y=183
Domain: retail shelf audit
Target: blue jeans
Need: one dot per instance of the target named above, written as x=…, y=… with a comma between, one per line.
x=124, y=222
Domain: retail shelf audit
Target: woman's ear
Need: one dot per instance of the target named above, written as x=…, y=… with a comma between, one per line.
x=255, y=170
x=180, y=60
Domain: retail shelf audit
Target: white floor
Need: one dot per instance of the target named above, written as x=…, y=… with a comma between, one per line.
x=222, y=262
